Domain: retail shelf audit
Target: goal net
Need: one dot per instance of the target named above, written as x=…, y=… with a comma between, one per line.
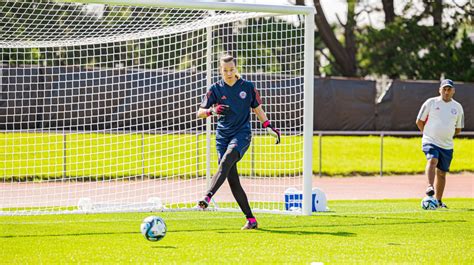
x=98, y=104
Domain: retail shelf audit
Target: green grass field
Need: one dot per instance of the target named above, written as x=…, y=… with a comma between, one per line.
x=41, y=155
x=363, y=232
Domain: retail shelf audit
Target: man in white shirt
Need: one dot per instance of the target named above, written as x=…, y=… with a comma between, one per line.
x=440, y=119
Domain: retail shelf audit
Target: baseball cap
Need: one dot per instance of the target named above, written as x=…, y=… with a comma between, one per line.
x=447, y=82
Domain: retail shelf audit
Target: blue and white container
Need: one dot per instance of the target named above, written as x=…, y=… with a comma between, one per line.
x=294, y=200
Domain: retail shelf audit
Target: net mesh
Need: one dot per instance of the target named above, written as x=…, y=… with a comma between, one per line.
x=98, y=106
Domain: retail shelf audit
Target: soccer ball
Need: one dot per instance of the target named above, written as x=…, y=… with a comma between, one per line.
x=429, y=203
x=153, y=228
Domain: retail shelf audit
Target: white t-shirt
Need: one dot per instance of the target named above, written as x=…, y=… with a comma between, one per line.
x=441, y=120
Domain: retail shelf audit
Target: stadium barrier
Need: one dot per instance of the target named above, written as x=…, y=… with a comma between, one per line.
x=68, y=98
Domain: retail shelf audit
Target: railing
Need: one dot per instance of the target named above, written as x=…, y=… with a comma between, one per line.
x=199, y=134
x=367, y=133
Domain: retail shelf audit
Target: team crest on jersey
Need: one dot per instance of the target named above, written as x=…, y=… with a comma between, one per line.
x=242, y=95
x=454, y=111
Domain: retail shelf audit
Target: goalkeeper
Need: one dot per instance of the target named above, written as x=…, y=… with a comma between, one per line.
x=231, y=99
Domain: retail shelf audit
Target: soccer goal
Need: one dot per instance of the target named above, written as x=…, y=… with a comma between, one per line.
x=98, y=104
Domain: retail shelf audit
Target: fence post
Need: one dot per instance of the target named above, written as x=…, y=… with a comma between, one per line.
x=197, y=154
x=320, y=153
x=143, y=155
x=64, y=155
x=381, y=154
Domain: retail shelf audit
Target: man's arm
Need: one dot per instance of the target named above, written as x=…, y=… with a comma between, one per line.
x=457, y=131
x=423, y=114
x=459, y=122
x=420, y=124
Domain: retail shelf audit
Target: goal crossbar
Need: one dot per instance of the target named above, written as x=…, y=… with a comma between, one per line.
x=191, y=4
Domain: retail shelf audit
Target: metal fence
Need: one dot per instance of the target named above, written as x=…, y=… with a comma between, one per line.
x=381, y=134
x=317, y=168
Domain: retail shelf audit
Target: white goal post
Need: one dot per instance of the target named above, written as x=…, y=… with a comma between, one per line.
x=98, y=104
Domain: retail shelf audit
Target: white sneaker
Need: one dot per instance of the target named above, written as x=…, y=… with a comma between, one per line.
x=430, y=191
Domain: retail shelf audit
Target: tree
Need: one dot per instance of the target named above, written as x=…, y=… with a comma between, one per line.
x=434, y=8
x=407, y=48
x=345, y=56
x=389, y=11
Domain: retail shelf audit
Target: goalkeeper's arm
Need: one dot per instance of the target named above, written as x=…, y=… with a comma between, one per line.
x=218, y=109
x=262, y=117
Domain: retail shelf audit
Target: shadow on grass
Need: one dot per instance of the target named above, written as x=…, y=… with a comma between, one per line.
x=76, y=234
x=397, y=221
x=378, y=221
x=163, y=247
x=295, y=232
x=296, y=229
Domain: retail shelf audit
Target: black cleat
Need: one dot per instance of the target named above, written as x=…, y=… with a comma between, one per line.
x=430, y=191
x=204, y=203
x=250, y=225
x=442, y=205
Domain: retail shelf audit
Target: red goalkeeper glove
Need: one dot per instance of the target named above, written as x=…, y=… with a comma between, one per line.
x=272, y=131
x=219, y=109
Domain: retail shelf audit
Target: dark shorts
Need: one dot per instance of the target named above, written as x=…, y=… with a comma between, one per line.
x=239, y=142
x=444, y=156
